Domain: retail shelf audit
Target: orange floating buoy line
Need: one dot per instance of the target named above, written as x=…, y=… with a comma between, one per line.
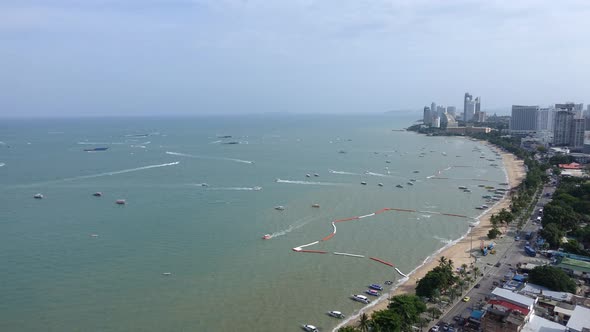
x=381, y=261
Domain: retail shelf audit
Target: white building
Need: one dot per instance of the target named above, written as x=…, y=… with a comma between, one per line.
x=436, y=121
x=579, y=320
x=546, y=119
x=524, y=119
x=466, y=100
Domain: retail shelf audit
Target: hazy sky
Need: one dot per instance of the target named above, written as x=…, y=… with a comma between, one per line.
x=132, y=57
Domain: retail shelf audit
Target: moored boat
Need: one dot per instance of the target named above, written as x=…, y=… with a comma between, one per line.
x=372, y=292
x=335, y=314
x=96, y=149
x=279, y=207
x=360, y=298
x=376, y=287
x=120, y=202
x=315, y=205
x=309, y=328
x=38, y=196
x=364, y=183
x=399, y=186
x=97, y=194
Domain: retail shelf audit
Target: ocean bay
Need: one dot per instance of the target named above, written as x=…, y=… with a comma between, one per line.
x=224, y=277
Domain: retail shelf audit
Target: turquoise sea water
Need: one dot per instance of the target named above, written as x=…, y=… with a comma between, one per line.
x=224, y=277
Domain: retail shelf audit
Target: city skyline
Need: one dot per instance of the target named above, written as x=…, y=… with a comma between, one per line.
x=195, y=57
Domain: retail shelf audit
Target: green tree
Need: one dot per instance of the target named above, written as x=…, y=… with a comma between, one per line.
x=434, y=312
x=387, y=320
x=493, y=233
x=553, y=278
x=408, y=308
x=552, y=234
x=348, y=329
x=364, y=322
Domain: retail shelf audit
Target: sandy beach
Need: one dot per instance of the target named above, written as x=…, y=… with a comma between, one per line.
x=460, y=252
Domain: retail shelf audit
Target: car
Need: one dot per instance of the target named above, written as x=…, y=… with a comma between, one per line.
x=477, y=285
x=435, y=328
x=446, y=327
x=517, y=238
x=466, y=299
x=497, y=264
x=457, y=318
x=495, y=283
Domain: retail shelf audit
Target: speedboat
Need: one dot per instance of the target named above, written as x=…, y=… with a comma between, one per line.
x=462, y=187
x=309, y=328
x=376, y=287
x=416, y=171
x=372, y=292
x=279, y=207
x=204, y=185
x=257, y=188
x=389, y=282
x=315, y=205
x=363, y=183
x=316, y=175
x=266, y=236
x=38, y=196
x=380, y=184
x=411, y=183
x=413, y=180
x=307, y=175
x=360, y=298
x=166, y=273
x=97, y=194
x=120, y=202
x=399, y=186
x=336, y=314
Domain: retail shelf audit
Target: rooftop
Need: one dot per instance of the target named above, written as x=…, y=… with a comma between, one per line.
x=525, y=301
x=540, y=324
x=574, y=264
x=508, y=306
x=546, y=293
x=580, y=319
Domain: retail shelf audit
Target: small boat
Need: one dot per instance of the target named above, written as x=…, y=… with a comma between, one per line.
x=231, y=143
x=120, y=202
x=93, y=235
x=96, y=149
x=416, y=171
x=376, y=287
x=466, y=190
x=360, y=298
x=97, y=194
x=388, y=282
x=167, y=273
x=316, y=175
x=411, y=183
x=363, y=183
x=479, y=208
x=462, y=187
x=307, y=175
x=335, y=314
x=504, y=184
x=380, y=184
x=266, y=236
x=204, y=185
x=399, y=186
x=372, y=292
x=279, y=207
x=486, y=196
x=257, y=188
x=481, y=185
x=485, y=206
x=341, y=151
x=388, y=162
x=413, y=180
x=38, y=196
x=309, y=328
x=315, y=205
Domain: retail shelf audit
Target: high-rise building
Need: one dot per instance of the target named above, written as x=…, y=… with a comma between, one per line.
x=440, y=110
x=427, y=119
x=433, y=108
x=568, y=129
x=477, y=104
x=546, y=119
x=469, y=112
x=452, y=110
x=524, y=119
x=436, y=121
x=467, y=99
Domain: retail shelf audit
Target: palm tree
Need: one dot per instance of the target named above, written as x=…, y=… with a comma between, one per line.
x=423, y=322
x=442, y=261
x=461, y=283
x=476, y=271
x=434, y=311
x=364, y=322
x=453, y=292
x=469, y=280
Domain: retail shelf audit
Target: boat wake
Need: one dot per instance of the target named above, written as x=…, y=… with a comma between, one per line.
x=233, y=188
x=311, y=183
x=445, y=241
x=208, y=157
x=2, y=164
x=101, y=143
x=82, y=177
x=342, y=172
x=296, y=225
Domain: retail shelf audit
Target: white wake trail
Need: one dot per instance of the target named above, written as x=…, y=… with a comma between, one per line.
x=208, y=157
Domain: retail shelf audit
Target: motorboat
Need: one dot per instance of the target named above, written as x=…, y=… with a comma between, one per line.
x=462, y=187
x=315, y=205
x=307, y=175
x=360, y=298
x=416, y=171
x=336, y=314
x=204, y=185
x=388, y=162
x=120, y=202
x=279, y=207
x=399, y=186
x=257, y=188
x=341, y=151
x=485, y=206
x=413, y=180
x=97, y=194
x=309, y=328
x=389, y=282
x=167, y=273
x=316, y=175
x=376, y=287
x=380, y=184
x=479, y=208
x=363, y=183
x=410, y=183
x=266, y=236
x=93, y=235
x=372, y=292
x=466, y=190
x=38, y=196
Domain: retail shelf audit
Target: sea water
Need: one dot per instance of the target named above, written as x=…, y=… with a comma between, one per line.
x=197, y=207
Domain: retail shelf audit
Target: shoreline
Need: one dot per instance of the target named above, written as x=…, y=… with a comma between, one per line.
x=460, y=250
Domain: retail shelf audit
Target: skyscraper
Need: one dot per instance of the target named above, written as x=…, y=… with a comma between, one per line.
x=524, y=119
x=469, y=113
x=427, y=119
x=467, y=99
x=546, y=119
x=568, y=130
x=477, y=104
x=433, y=108
x=452, y=110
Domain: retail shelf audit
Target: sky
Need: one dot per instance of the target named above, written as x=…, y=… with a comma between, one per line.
x=194, y=57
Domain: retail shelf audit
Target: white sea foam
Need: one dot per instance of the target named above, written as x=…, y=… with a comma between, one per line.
x=296, y=225
x=2, y=164
x=101, y=143
x=234, y=188
x=310, y=183
x=209, y=157
x=445, y=241
x=82, y=177
x=342, y=172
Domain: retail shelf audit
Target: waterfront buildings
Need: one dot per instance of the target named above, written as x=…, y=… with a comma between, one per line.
x=468, y=107
x=568, y=128
x=427, y=118
x=524, y=120
x=452, y=110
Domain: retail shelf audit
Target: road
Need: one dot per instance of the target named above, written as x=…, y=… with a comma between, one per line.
x=510, y=252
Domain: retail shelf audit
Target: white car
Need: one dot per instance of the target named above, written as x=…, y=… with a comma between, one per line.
x=435, y=328
x=310, y=328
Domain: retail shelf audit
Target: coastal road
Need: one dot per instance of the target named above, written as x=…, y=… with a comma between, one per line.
x=510, y=252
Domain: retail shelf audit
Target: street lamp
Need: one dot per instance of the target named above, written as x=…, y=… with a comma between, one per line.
x=471, y=245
